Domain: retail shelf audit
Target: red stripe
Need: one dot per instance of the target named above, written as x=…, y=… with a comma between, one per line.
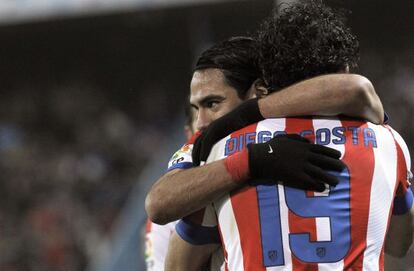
x=148, y=226
x=381, y=259
x=246, y=212
x=238, y=166
x=193, y=138
x=226, y=267
x=360, y=161
x=299, y=224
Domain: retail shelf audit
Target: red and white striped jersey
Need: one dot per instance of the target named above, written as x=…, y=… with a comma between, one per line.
x=343, y=228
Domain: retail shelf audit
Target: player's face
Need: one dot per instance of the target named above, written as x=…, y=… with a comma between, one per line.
x=211, y=97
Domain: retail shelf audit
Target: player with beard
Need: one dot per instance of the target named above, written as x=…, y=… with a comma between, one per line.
x=236, y=58
x=345, y=226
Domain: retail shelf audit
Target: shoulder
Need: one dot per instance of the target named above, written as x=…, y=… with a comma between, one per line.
x=401, y=143
x=182, y=158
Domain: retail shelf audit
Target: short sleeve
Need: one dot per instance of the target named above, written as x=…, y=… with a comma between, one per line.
x=199, y=228
x=403, y=203
x=404, y=198
x=182, y=158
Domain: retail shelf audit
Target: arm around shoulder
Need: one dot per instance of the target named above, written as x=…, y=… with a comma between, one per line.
x=182, y=192
x=326, y=95
x=154, y=203
x=363, y=101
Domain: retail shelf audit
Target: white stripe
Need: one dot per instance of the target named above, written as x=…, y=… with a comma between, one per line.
x=217, y=152
x=271, y=125
x=209, y=217
x=323, y=227
x=330, y=124
x=382, y=191
x=226, y=218
x=230, y=232
x=331, y=266
x=403, y=146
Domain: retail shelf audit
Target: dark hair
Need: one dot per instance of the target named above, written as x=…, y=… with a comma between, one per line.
x=236, y=58
x=305, y=40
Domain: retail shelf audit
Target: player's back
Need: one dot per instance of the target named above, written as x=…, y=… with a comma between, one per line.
x=272, y=227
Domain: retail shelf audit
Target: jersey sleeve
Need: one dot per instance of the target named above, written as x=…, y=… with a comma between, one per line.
x=199, y=228
x=182, y=158
x=404, y=198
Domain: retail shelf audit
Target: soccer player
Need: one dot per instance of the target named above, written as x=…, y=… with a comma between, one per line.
x=236, y=56
x=284, y=228
x=222, y=80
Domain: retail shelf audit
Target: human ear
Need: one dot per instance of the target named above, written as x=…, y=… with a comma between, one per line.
x=260, y=88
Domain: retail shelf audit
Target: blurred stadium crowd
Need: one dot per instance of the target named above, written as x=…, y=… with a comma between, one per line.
x=68, y=160
x=70, y=155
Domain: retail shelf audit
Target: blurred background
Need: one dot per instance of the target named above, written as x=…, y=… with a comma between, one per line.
x=91, y=109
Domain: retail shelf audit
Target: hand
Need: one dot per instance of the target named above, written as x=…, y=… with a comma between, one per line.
x=244, y=115
x=295, y=162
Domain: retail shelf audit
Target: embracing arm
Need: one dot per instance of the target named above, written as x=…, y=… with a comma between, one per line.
x=295, y=162
x=181, y=192
x=327, y=95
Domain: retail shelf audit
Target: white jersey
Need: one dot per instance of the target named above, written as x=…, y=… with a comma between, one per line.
x=156, y=244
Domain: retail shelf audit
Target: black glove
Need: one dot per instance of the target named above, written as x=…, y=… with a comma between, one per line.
x=293, y=161
x=244, y=115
